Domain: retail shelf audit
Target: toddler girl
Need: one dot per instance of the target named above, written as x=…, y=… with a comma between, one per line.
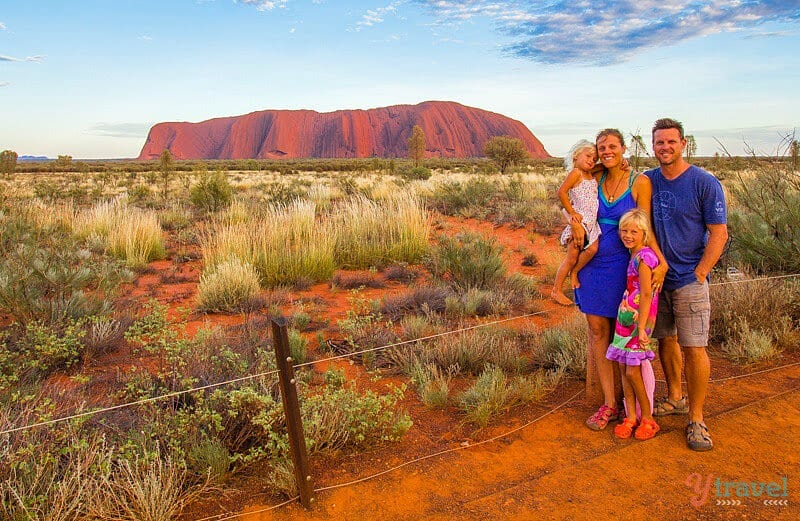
x=635, y=319
x=578, y=195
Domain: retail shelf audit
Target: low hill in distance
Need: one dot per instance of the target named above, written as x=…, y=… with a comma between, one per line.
x=451, y=130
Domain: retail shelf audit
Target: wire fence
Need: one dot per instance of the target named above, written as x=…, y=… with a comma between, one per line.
x=323, y=360
x=227, y=516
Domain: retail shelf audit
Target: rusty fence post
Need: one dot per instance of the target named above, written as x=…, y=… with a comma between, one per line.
x=291, y=409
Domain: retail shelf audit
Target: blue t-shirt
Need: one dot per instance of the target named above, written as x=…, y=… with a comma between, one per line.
x=682, y=208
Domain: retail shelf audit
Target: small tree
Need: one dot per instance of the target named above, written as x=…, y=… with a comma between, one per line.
x=638, y=150
x=691, y=147
x=794, y=152
x=416, y=145
x=505, y=151
x=212, y=191
x=62, y=164
x=166, y=170
x=8, y=162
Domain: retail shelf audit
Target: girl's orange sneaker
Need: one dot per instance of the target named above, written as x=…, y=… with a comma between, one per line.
x=646, y=430
x=624, y=430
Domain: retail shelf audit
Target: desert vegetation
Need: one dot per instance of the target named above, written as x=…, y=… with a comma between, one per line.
x=408, y=257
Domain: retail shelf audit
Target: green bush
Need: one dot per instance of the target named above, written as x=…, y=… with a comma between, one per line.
x=227, y=286
x=467, y=261
x=212, y=191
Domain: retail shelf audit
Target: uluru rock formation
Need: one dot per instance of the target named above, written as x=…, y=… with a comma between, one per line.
x=451, y=130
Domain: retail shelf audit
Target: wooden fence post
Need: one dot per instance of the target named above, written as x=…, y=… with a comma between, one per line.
x=291, y=409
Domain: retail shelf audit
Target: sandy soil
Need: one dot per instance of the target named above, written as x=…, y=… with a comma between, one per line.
x=537, y=462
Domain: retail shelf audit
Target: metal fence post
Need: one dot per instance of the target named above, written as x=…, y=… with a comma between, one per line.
x=291, y=409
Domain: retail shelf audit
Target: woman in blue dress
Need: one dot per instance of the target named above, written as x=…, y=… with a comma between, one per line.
x=601, y=283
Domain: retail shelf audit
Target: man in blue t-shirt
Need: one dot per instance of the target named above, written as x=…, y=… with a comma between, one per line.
x=690, y=223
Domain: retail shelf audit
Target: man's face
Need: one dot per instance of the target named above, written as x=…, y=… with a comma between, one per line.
x=668, y=146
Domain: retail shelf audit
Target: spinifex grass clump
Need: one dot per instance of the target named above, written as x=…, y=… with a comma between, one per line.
x=371, y=233
x=286, y=245
x=227, y=286
x=129, y=233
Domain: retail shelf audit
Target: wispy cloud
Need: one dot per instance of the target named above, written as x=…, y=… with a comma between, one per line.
x=125, y=130
x=145, y=38
x=26, y=59
x=2, y=26
x=265, y=5
x=378, y=15
x=609, y=31
x=5, y=83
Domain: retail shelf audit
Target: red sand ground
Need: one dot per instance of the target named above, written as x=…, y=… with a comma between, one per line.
x=538, y=462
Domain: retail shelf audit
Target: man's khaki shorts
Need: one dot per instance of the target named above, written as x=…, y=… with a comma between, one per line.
x=685, y=311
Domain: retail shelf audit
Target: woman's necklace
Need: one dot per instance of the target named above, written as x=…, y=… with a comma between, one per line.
x=612, y=194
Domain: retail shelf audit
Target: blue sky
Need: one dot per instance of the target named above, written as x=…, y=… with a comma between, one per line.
x=88, y=78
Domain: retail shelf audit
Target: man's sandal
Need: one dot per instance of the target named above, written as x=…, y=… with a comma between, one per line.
x=697, y=437
x=624, y=430
x=646, y=430
x=666, y=406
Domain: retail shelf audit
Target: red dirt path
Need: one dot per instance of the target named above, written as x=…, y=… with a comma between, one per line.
x=544, y=463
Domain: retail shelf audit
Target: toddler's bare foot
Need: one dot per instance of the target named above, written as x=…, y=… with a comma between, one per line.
x=559, y=297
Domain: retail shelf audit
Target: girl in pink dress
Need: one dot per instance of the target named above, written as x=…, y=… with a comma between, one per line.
x=636, y=317
x=578, y=195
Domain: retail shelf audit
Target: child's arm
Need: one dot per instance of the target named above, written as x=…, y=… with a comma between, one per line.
x=645, y=300
x=643, y=193
x=570, y=181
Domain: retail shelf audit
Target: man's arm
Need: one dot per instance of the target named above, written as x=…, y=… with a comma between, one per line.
x=717, y=238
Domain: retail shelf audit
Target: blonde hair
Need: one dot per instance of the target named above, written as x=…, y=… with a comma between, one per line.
x=577, y=148
x=641, y=220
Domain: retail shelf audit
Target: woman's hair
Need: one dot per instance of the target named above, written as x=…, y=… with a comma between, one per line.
x=610, y=132
x=640, y=219
x=577, y=148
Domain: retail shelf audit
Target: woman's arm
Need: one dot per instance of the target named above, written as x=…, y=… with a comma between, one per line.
x=643, y=195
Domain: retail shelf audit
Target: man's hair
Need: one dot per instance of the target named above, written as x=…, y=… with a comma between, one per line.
x=610, y=132
x=665, y=123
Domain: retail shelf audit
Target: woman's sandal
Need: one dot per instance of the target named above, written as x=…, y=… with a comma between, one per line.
x=666, y=406
x=646, y=430
x=624, y=430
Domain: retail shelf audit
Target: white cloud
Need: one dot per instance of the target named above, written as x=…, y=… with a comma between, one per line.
x=5, y=83
x=609, y=31
x=376, y=16
x=37, y=58
x=2, y=26
x=117, y=130
x=265, y=5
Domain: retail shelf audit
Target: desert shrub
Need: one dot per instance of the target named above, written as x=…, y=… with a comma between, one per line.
x=210, y=457
x=422, y=300
x=227, y=286
x=410, y=172
x=298, y=346
x=494, y=393
x=765, y=218
x=456, y=198
x=563, y=348
x=766, y=305
x=343, y=418
x=432, y=383
x=152, y=489
x=474, y=350
x=466, y=261
x=357, y=280
x=46, y=275
x=748, y=345
x=212, y=191
x=370, y=233
x=401, y=272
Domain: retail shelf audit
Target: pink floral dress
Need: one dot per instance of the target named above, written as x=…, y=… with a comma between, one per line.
x=583, y=197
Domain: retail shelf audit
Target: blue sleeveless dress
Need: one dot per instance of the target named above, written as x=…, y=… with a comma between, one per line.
x=603, y=279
